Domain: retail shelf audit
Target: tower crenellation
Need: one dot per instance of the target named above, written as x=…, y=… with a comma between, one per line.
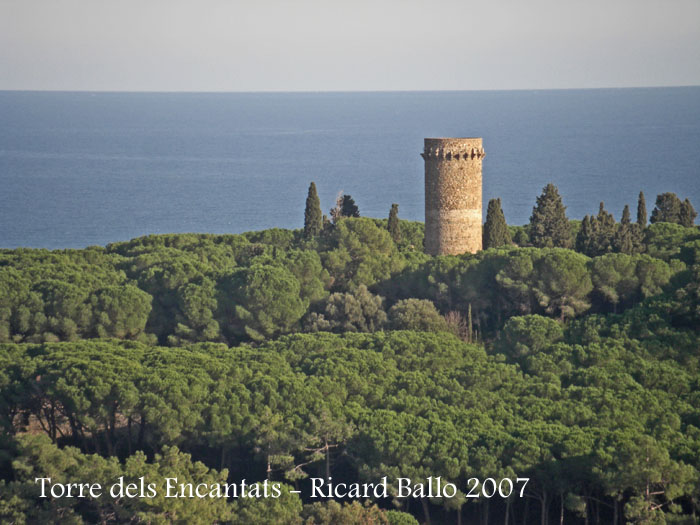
x=453, y=195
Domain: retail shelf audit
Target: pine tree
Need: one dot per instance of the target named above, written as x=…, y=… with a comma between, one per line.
x=641, y=211
x=313, y=218
x=393, y=226
x=667, y=209
x=687, y=214
x=495, y=229
x=549, y=226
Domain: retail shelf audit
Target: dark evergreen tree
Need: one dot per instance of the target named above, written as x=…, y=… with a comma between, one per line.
x=624, y=237
x=495, y=229
x=549, y=226
x=667, y=209
x=597, y=234
x=584, y=239
x=348, y=208
x=344, y=207
x=642, y=211
x=327, y=224
x=605, y=231
x=637, y=238
x=687, y=214
x=393, y=225
x=313, y=217
x=626, y=218
x=520, y=237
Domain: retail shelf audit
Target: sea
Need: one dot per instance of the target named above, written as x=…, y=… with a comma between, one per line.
x=82, y=168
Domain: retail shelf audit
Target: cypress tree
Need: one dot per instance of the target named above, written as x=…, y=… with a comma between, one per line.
x=598, y=233
x=344, y=207
x=348, y=208
x=393, y=226
x=495, y=229
x=641, y=211
x=687, y=214
x=626, y=219
x=606, y=231
x=469, y=325
x=636, y=231
x=313, y=218
x=624, y=242
x=667, y=209
x=549, y=226
x=585, y=235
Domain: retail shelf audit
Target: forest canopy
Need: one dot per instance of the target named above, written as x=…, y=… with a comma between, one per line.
x=343, y=350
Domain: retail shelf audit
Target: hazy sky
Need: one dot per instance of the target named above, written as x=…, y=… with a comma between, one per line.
x=232, y=45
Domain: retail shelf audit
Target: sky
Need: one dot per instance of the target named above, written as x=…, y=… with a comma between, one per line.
x=313, y=45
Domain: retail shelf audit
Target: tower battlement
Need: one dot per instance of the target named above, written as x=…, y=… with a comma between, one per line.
x=449, y=149
x=453, y=195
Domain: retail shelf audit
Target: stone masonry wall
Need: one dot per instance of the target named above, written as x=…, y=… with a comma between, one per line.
x=453, y=201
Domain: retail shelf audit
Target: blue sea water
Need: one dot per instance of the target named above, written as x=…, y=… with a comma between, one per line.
x=79, y=169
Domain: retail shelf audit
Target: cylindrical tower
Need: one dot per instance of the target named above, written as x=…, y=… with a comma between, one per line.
x=453, y=195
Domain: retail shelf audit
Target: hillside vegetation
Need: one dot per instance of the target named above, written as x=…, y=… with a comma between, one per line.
x=342, y=350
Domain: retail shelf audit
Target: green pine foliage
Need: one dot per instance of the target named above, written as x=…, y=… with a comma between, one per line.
x=549, y=227
x=495, y=233
x=579, y=371
x=304, y=403
x=180, y=289
x=267, y=301
x=416, y=314
x=358, y=311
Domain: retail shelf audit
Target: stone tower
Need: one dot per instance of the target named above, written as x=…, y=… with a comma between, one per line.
x=453, y=195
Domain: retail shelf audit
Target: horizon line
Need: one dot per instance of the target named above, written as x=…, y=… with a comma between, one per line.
x=336, y=91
